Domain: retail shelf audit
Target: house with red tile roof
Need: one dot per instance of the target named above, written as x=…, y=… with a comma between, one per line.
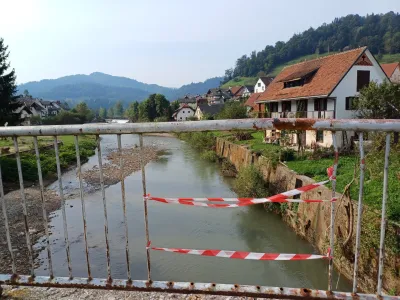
x=252, y=106
x=322, y=88
x=184, y=112
x=392, y=71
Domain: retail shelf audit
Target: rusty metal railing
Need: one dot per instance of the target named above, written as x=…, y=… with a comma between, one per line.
x=13, y=278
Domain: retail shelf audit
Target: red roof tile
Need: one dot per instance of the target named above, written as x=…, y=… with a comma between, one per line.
x=251, y=101
x=235, y=90
x=389, y=68
x=329, y=71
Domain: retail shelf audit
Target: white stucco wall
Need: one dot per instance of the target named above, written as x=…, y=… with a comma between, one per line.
x=184, y=113
x=348, y=86
x=261, y=88
x=396, y=75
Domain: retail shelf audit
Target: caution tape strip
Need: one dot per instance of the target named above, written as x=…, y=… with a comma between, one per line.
x=279, y=198
x=243, y=254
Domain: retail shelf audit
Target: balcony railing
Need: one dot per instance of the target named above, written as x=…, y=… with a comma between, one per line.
x=325, y=114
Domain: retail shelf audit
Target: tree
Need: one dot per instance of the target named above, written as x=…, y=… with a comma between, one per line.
x=379, y=101
x=26, y=94
x=83, y=111
x=162, y=106
x=174, y=105
x=118, y=109
x=132, y=112
x=102, y=113
x=233, y=110
x=8, y=89
x=110, y=112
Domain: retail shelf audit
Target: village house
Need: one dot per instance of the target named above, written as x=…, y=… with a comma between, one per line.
x=204, y=111
x=392, y=71
x=183, y=113
x=262, y=84
x=251, y=105
x=247, y=91
x=322, y=88
x=218, y=95
x=29, y=107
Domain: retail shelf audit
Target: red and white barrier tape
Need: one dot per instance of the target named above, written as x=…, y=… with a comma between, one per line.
x=243, y=254
x=282, y=197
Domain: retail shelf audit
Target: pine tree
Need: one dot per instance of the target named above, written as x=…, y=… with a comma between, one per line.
x=8, y=89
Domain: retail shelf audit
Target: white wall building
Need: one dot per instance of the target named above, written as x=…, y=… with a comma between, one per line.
x=262, y=84
x=322, y=88
x=392, y=71
x=183, y=113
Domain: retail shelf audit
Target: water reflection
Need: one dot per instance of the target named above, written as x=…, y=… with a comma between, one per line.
x=181, y=173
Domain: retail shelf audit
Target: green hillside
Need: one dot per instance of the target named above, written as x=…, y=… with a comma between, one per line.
x=239, y=81
x=386, y=58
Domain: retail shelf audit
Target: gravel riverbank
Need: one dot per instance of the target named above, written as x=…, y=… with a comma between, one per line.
x=111, y=171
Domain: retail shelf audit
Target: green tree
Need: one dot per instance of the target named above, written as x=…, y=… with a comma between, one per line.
x=8, y=89
x=26, y=93
x=102, y=113
x=110, y=112
x=174, y=105
x=162, y=106
x=118, y=109
x=132, y=112
x=232, y=110
x=84, y=112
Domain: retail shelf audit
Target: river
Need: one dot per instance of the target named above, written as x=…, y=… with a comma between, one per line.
x=180, y=173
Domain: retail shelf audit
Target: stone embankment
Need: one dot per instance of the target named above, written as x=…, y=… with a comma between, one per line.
x=312, y=221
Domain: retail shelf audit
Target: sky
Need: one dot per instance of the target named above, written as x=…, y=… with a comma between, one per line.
x=167, y=42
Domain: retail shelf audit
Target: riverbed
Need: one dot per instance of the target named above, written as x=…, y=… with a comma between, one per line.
x=179, y=173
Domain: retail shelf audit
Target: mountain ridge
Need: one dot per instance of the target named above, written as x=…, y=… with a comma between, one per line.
x=101, y=89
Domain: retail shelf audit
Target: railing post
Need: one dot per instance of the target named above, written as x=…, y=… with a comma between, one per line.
x=44, y=212
x=4, y=208
x=79, y=169
x=64, y=214
x=332, y=226
x=122, y=176
x=24, y=210
x=146, y=223
x=383, y=220
x=359, y=210
x=103, y=194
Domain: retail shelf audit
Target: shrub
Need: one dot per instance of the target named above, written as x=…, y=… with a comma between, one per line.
x=209, y=155
x=250, y=183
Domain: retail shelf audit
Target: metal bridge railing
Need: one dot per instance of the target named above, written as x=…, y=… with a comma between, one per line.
x=13, y=278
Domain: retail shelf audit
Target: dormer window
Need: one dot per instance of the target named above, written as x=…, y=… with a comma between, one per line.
x=299, y=78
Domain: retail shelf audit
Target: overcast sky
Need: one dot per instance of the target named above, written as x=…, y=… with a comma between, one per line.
x=168, y=42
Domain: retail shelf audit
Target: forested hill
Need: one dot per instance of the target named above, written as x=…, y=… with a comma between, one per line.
x=99, y=89
x=381, y=33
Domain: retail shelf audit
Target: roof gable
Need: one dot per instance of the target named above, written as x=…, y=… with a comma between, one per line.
x=389, y=68
x=321, y=76
x=252, y=99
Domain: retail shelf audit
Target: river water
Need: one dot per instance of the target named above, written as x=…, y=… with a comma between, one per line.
x=180, y=173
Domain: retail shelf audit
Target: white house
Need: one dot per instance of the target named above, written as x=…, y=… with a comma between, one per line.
x=262, y=84
x=392, y=71
x=183, y=113
x=322, y=88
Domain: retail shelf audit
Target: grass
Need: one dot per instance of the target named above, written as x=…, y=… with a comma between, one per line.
x=390, y=58
x=67, y=155
x=239, y=81
x=316, y=169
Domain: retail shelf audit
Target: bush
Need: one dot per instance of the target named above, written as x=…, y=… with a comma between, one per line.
x=209, y=155
x=228, y=169
x=243, y=136
x=232, y=110
x=250, y=183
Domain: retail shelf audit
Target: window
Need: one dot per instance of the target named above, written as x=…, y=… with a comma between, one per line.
x=286, y=106
x=263, y=88
x=301, y=105
x=363, y=78
x=320, y=136
x=273, y=107
x=293, y=83
x=180, y=118
x=350, y=103
x=259, y=84
x=320, y=104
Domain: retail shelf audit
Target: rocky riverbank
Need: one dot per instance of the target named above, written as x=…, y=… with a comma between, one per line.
x=111, y=172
